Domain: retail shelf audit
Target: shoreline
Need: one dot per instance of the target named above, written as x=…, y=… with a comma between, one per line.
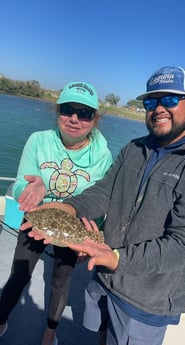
x=103, y=110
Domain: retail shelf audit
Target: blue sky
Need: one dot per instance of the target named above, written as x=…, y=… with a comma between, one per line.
x=115, y=45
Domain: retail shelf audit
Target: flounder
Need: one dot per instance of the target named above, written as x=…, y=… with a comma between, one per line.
x=60, y=227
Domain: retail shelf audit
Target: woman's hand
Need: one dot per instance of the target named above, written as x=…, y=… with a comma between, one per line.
x=33, y=194
x=100, y=254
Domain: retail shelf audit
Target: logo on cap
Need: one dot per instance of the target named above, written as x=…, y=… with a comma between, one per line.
x=81, y=86
x=162, y=79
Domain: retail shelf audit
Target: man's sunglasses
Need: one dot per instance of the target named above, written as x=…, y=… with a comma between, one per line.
x=83, y=114
x=169, y=101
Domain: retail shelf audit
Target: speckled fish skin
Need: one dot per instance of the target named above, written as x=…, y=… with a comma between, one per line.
x=59, y=226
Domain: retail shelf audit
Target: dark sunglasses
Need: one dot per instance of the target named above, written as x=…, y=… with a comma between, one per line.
x=169, y=101
x=83, y=114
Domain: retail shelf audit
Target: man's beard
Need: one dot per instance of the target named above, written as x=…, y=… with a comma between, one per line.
x=167, y=137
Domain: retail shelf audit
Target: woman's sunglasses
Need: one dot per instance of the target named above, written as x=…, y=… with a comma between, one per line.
x=169, y=101
x=83, y=114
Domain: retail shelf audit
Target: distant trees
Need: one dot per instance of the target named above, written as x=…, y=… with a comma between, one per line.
x=134, y=103
x=112, y=99
x=26, y=88
x=33, y=89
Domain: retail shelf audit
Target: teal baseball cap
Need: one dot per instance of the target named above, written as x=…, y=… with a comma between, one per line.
x=79, y=92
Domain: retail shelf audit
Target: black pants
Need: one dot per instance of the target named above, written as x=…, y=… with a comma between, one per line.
x=26, y=255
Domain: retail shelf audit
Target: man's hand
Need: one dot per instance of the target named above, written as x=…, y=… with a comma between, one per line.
x=100, y=254
x=33, y=194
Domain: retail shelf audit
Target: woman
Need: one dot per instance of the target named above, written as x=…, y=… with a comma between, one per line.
x=55, y=165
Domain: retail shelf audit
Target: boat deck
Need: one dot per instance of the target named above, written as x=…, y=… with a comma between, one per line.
x=27, y=321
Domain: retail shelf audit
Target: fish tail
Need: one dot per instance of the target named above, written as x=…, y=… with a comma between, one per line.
x=102, y=237
x=97, y=237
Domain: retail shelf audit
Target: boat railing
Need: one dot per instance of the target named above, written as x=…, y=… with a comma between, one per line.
x=8, y=208
x=8, y=182
x=4, y=178
x=5, y=182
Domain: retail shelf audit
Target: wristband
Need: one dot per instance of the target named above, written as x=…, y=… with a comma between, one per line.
x=116, y=252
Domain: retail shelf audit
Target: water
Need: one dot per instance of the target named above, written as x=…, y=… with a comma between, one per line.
x=119, y=131
x=19, y=117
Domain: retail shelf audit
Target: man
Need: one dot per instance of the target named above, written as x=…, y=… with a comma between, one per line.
x=139, y=284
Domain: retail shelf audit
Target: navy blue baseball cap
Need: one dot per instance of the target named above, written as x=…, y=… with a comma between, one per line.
x=166, y=79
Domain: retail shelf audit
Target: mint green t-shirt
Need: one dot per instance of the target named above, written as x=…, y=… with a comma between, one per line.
x=64, y=172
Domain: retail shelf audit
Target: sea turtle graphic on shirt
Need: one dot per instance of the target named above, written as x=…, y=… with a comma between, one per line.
x=64, y=181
